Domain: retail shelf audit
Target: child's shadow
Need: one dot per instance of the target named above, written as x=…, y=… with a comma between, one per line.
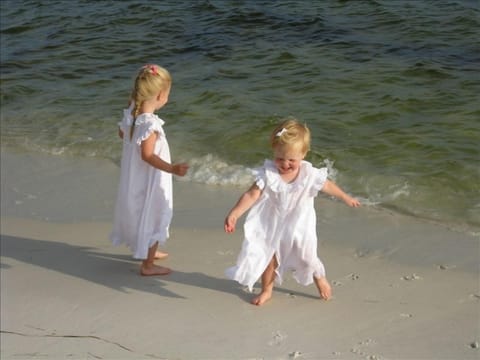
x=207, y=282
x=109, y=270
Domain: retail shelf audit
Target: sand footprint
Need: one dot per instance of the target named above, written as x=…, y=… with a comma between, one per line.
x=277, y=338
x=357, y=350
x=471, y=297
x=354, y=276
x=410, y=277
x=402, y=317
x=446, y=267
x=295, y=355
x=351, y=276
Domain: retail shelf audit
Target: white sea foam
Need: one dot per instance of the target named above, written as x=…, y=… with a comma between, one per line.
x=212, y=170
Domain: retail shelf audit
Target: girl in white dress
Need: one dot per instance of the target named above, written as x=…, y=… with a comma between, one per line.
x=143, y=209
x=280, y=229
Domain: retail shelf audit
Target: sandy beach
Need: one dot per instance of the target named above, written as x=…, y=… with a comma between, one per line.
x=403, y=288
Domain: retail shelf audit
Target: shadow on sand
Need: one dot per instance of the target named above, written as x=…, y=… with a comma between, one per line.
x=118, y=272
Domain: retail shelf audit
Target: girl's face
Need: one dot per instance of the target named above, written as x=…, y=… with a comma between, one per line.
x=287, y=159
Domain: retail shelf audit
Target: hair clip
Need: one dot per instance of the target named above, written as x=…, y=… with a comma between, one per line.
x=152, y=69
x=281, y=132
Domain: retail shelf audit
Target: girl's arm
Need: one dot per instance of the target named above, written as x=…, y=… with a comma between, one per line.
x=243, y=204
x=148, y=145
x=333, y=189
x=120, y=133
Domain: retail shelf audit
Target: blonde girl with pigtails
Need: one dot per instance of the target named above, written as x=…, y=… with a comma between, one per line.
x=143, y=209
x=280, y=228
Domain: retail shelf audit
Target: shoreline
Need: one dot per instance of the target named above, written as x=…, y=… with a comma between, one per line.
x=402, y=288
x=73, y=189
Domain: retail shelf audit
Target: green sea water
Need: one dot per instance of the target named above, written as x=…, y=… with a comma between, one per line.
x=389, y=89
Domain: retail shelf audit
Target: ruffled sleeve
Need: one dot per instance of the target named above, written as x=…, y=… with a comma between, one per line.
x=260, y=177
x=319, y=178
x=145, y=125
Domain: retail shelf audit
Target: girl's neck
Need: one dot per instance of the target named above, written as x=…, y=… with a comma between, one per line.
x=146, y=108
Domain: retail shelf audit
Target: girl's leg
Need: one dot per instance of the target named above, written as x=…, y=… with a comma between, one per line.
x=268, y=277
x=148, y=266
x=323, y=286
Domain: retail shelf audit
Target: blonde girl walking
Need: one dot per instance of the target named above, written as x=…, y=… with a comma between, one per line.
x=143, y=210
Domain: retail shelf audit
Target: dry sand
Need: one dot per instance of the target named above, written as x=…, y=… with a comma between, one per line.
x=403, y=288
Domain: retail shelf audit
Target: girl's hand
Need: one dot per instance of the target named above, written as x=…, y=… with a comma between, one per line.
x=230, y=222
x=352, y=202
x=180, y=169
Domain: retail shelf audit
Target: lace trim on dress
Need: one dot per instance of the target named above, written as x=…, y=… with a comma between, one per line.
x=146, y=124
x=276, y=182
x=259, y=174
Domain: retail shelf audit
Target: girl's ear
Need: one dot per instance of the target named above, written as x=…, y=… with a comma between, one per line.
x=163, y=96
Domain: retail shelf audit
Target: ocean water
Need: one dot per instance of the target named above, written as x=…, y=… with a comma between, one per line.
x=390, y=89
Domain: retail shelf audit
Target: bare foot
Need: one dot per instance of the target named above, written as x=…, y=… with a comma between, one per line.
x=159, y=255
x=323, y=287
x=154, y=270
x=262, y=298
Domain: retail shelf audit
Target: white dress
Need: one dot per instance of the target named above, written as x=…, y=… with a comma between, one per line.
x=282, y=223
x=143, y=210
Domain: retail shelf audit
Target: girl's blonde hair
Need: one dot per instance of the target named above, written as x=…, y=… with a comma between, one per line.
x=149, y=82
x=291, y=133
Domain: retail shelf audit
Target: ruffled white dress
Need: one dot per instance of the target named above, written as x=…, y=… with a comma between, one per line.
x=143, y=210
x=282, y=223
